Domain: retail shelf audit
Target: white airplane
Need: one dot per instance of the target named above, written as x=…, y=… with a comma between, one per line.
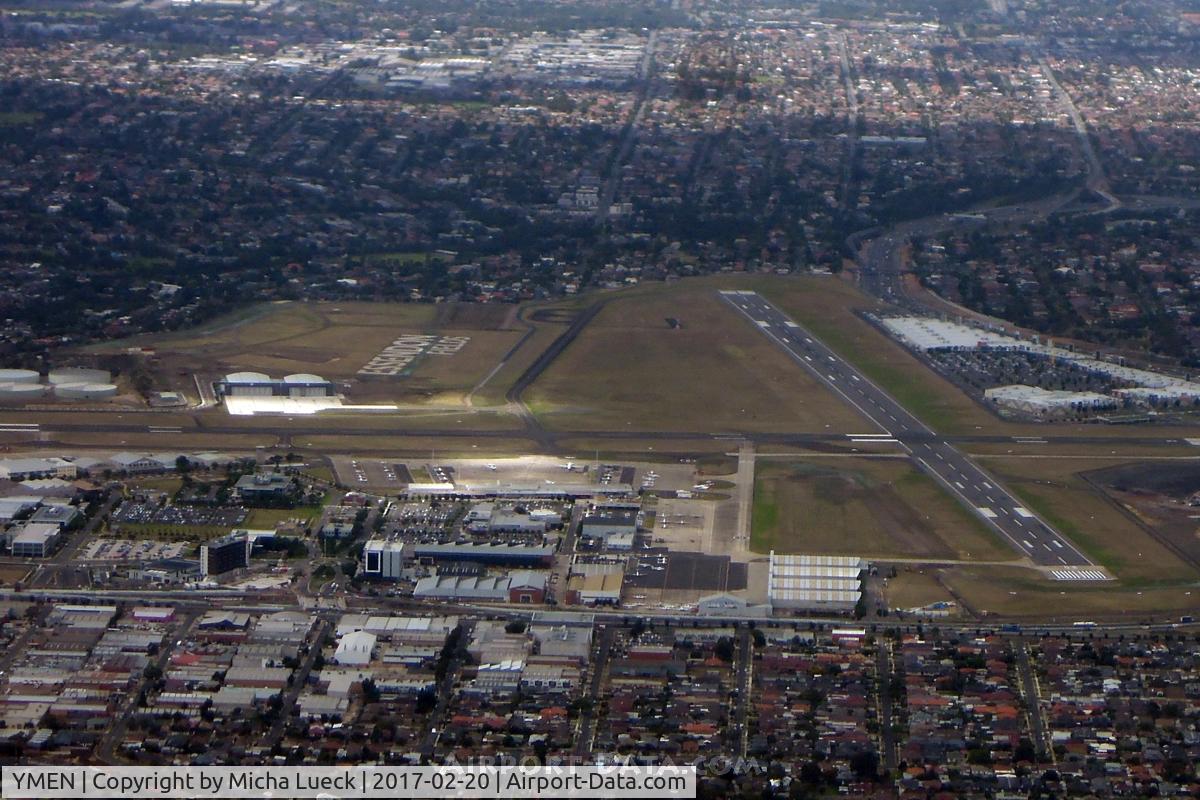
x=492, y=467
x=569, y=466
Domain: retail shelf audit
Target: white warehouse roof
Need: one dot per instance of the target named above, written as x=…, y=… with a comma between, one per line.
x=247, y=377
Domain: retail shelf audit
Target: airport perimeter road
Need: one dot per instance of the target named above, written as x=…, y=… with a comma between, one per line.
x=957, y=473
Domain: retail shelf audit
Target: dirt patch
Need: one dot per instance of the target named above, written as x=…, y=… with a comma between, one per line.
x=559, y=316
x=10, y=574
x=1175, y=479
x=904, y=524
x=476, y=316
x=1156, y=496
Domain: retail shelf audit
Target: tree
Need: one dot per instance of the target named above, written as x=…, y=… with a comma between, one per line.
x=865, y=764
x=724, y=649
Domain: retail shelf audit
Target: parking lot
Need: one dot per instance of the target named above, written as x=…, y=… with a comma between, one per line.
x=422, y=521
x=130, y=550
x=154, y=514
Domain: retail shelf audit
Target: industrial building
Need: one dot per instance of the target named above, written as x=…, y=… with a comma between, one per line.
x=169, y=571
x=505, y=522
x=23, y=469
x=524, y=586
x=527, y=586
x=605, y=521
x=814, y=583
x=34, y=539
x=414, y=631
x=227, y=553
x=258, y=384
x=383, y=559
x=438, y=587
x=1044, y=403
x=927, y=334
x=598, y=589
x=355, y=649
x=514, y=490
x=499, y=554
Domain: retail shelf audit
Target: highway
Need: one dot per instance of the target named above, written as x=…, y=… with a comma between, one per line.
x=936, y=456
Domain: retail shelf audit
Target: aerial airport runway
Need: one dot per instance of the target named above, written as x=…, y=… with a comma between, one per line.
x=1028, y=533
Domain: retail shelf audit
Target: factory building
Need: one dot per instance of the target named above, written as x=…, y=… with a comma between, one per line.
x=258, y=384
x=814, y=583
x=227, y=553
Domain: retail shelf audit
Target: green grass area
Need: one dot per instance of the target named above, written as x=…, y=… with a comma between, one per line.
x=629, y=369
x=171, y=533
x=871, y=507
x=1015, y=592
x=336, y=340
x=165, y=483
x=914, y=587
x=398, y=259
x=14, y=119
x=268, y=518
x=321, y=473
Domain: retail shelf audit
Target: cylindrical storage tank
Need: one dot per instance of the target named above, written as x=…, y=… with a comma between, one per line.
x=85, y=391
x=21, y=392
x=19, y=376
x=78, y=375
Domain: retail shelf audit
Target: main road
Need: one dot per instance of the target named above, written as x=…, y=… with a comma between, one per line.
x=954, y=470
